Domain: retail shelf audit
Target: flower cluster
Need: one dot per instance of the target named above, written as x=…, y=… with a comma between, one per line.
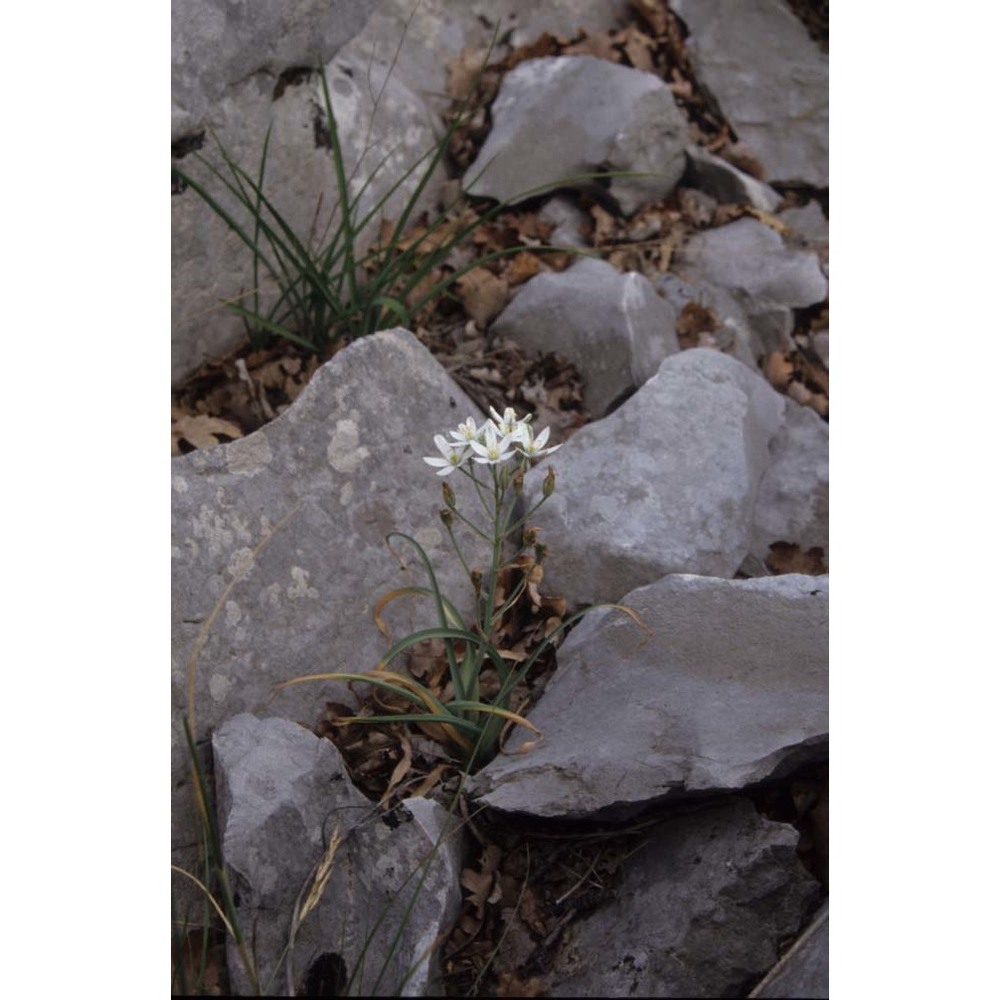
x=497, y=440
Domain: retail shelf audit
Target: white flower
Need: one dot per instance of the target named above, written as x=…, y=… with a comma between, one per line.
x=508, y=425
x=453, y=455
x=467, y=431
x=492, y=449
x=532, y=447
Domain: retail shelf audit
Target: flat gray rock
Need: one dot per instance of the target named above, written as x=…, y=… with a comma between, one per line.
x=281, y=535
x=612, y=326
x=804, y=972
x=752, y=262
x=702, y=911
x=770, y=79
x=665, y=484
x=561, y=116
x=283, y=796
x=729, y=690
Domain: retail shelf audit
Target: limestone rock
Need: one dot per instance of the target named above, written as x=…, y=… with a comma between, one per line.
x=665, y=484
x=770, y=80
x=558, y=117
x=283, y=796
x=820, y=341
x=210, y=264
x=793, y=500
x=804, y=971
x=281, y=535
x=568, y=219
x=751, y=261
x=217, y=44
x=810, y=231
x=729, y=689
x=612, y=326
x=419, y=40
x=736, y=335
x=702, y=911
x=726, y=183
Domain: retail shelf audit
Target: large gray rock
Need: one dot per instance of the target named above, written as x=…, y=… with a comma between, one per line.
x=729, y=689
x=751, y=261
x=283, y=796
x=804, y=972
x=665, y=484
x=330, y=478
x=770, y=79
x=701, y=913
x=557, y=117
x=612, y=326
x=793, y=499
x=381, y=134
x=215, y=45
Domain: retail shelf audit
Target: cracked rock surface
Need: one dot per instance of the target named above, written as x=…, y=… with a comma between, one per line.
x=729, y=689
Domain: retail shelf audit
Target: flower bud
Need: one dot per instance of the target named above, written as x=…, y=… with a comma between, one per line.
x=446, y=518
x=449, y=495
x=477, y=580
x=549, y=486
x=519, y=481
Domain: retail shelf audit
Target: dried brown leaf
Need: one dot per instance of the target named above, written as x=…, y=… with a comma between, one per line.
x=654, y=13
x=544, y=45
x=779, y=369
x=638, y=47
x=601, y=44
x=522, y=267
x=740, y=157
x=463, y=72
x=605, y=226
x=510, y=984
x=199, y=430
x=784, y=557
x=483, y=294
x=480, y=885
x=694, y=320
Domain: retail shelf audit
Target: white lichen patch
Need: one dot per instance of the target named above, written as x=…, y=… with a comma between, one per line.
x=233, y=613
x=344, y=452
x=220, y=533
x=180, y=484
x=248, y=455
x=299, y=587
x=346, y=493
x=270, y=596
x=218, y=686
x=239, y=561
x=429, y=537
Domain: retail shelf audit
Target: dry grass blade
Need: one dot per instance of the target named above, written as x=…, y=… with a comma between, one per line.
x=319, y=877
x=204, y=888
